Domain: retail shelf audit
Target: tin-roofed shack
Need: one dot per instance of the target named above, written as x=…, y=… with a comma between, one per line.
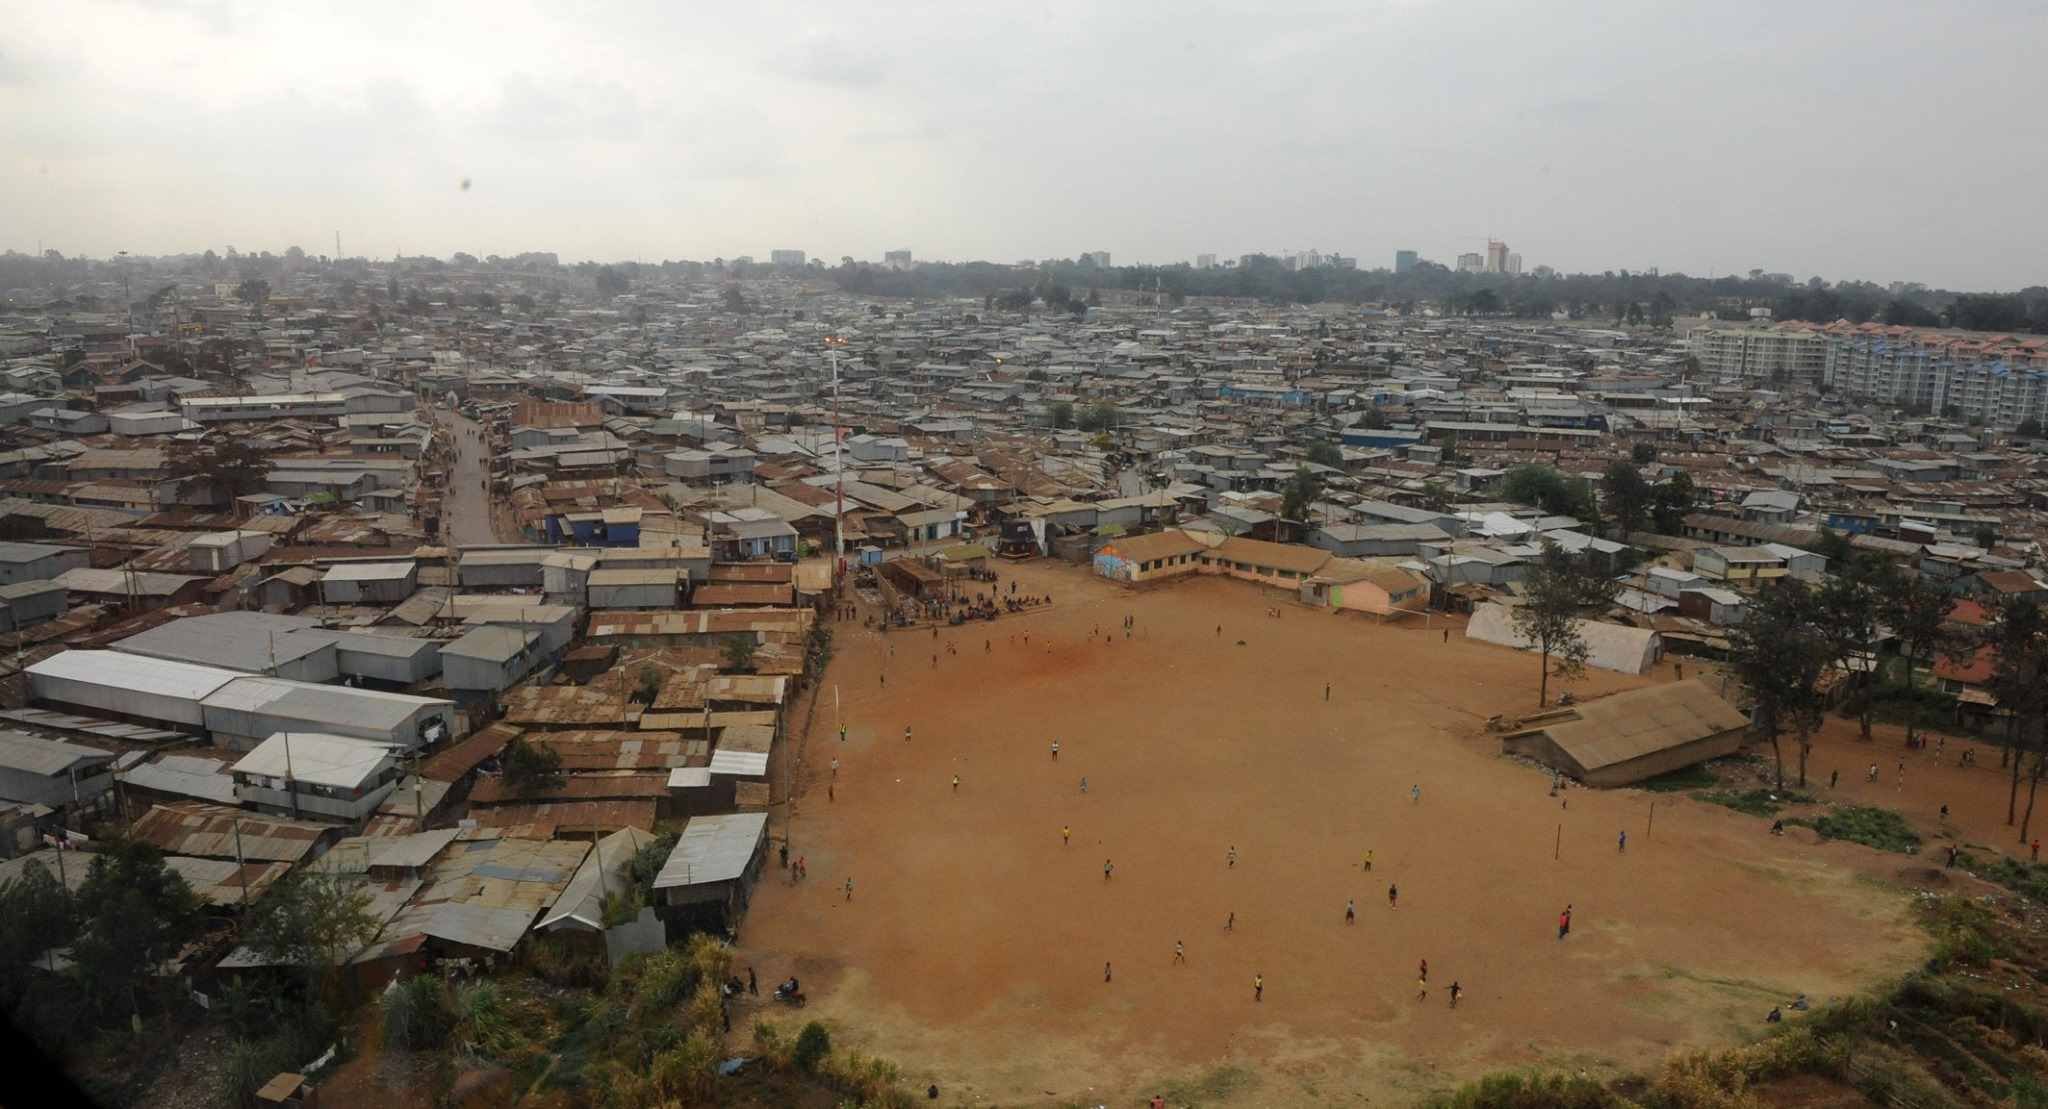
x=1625, y=738
x=710, y=876
x=51, y=772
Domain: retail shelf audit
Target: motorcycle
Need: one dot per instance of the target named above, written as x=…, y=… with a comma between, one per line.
x=789, y=993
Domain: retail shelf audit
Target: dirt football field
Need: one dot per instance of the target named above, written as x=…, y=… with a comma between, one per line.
x=1244, y=775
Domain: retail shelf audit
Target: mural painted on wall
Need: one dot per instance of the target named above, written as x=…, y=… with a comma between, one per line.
x=1112, y=567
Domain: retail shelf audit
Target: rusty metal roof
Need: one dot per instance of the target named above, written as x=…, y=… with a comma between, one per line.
x=219, y=832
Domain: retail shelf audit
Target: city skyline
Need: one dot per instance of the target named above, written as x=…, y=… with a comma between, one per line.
x=1589, y=141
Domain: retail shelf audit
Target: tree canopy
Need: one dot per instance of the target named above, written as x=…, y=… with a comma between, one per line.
x=136, y=914
x=1779, y=653
x=1557, y=589
x=1551, y=490
x=222, y=468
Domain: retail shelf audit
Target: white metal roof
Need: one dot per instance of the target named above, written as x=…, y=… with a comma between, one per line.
x=317, y=757
x=184, y=775
x=307, y=701
x=689, y=777
x=48, y=757
x=156, y=676
x=742, y=764
x=369, y=571
x=490, y=643
x=713, y=849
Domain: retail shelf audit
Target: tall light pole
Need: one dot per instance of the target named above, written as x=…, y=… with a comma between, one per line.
x=128, y=298
x=832, y=345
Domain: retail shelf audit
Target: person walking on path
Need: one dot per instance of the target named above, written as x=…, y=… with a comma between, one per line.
x=1422, y=989
x=1415, y=794
x=1368, y=860
x=1447, y=636
x=1107, y=867
x=1326, y=691
x=1066, y=835
x=1232, y=864
x=956, y=783
x=1564, y=922
x=1351, y=912
x=1424, y=972
x=1621, y=842
x=831, y=791
x=1084, y=785
x=1231, y=924
x=1944, y=814
x=1055, y=750
x=1258, y=987
x=842, y=733
x=1180, y=952
x=1833, y=777
x=1455, y=991
x=1105, y=972
x=2037, y=849
x=835, y=766
x=906, y=733
x=753, y=986
x=1393, y=896
x=1873, y=773
x=849, y=888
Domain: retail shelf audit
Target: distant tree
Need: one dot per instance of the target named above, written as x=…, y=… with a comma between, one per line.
x=1374, y=419
x=611, y=283
x=738, y=652
x=1989, y=312
x=1905, y=313
x=313, y=923
x=1017, y=300
x=1484, y=302
x=255, y=292
x=1780, y=656
x=1322, y=452
x=531, y=769
x=1037, y=375
x=1099, y=416
x=1060, y=414
x=1555, y=591
x=1625, y=496
x=135, y=914
x=225, y=468
x=1985, y=536
x=1298, y=495
x=2018, y=641
x=1094, y=298
x=1846, y=611
x=1672, y=502
x=1643, y=452
x=2029, y=427
x=35, y=916
x=735, y=299
x=1550, y=489
x=522, y=301
x=1917, y=613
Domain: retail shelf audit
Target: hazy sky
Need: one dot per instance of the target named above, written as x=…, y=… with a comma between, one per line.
x=1887, y=141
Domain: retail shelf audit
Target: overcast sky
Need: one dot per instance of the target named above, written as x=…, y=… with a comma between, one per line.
x=1877, y=140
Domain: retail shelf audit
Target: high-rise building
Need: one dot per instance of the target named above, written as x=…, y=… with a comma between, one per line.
x=1098, y=258
x=1471, y=262
x=1514, y=263
x=1496, y=256
x=786, y=257
x=1205, y=261
x=1731, y=350
x=1404, y=260
x=896, y=259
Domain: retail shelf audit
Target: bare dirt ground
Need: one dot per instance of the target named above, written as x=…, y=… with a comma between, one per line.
x=972, y=950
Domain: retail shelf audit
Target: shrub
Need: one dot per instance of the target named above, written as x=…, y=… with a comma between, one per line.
x=1755, y=802
x=416, y=1014
x=771, y=1044
x=1871, y=826
x=813, y=1044
x=481, y=1025
x=1534, y=1090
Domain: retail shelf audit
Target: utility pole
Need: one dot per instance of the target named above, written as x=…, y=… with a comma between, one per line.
x=838, y=470
x=128, y=300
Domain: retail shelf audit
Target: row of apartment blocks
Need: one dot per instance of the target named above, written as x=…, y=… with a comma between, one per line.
x=1996, y=378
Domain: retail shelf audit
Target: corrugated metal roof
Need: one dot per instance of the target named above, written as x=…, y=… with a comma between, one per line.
x=370, y=571
x=330, y=704
x=739, y=764
x=552, y=819
x=197, y=828
x=1629, y=725
x=454, y=762
x=47, y=757
x=484, y=891
x=605, y=869
x=491, y=643
x=318, y=758
x=713, y=849
x=689, y=777
x=252, y=642
x=206, y=779
x=225, y=882
x=154, y=676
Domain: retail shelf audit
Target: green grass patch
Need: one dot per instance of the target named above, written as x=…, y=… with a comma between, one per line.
x=1755, y=802
x=1218, y=1086
x=1870, y=826
x=1547, y=1089
x=2026, y=879
x=1679, y=781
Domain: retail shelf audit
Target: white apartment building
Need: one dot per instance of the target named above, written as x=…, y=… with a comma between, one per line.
x=2001, y=381
x=1731, y=351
